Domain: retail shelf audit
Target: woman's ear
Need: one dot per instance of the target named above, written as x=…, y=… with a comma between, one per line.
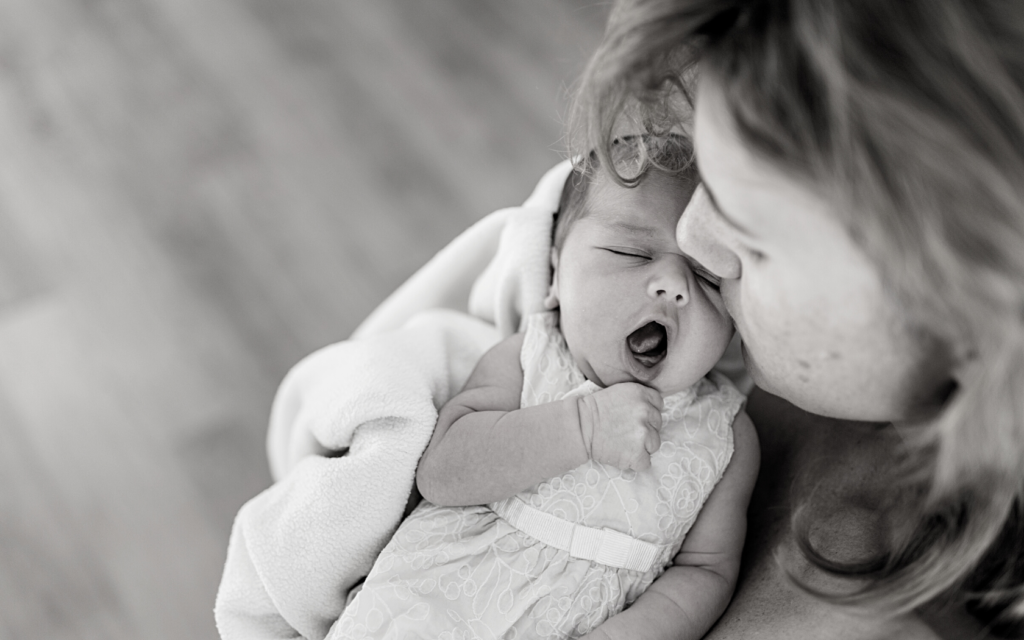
x=551, y=300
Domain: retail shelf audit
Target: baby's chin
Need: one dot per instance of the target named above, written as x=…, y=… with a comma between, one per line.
x=666, y=382
x=672, y=378
x=668, y=388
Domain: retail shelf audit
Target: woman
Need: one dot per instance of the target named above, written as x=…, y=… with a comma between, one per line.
x=863, y=202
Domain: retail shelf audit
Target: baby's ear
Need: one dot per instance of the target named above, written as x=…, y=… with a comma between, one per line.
x=551, y=300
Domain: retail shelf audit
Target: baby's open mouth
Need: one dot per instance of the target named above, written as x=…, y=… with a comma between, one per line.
x=648, y=344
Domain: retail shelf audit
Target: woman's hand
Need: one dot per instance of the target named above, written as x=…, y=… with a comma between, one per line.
x=620, y=425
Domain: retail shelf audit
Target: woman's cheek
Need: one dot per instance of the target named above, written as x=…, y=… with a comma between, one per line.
x=770, y=324
x=747, y=304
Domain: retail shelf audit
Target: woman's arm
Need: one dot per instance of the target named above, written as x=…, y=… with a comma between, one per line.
x=485, y=448
x=692, y=593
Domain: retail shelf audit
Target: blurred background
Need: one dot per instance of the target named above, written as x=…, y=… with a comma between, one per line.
x=194, y=194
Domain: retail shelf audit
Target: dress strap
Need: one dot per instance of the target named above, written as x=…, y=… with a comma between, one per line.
x=604, y=546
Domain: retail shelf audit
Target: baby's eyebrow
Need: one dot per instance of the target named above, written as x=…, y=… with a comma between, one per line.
x=634, y=229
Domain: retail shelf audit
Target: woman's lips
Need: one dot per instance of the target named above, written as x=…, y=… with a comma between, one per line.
x=648, y=344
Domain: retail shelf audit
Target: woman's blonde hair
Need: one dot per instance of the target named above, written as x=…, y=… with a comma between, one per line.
x=910, y=116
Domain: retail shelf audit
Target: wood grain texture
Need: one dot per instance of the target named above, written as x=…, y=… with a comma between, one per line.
x=194, y=194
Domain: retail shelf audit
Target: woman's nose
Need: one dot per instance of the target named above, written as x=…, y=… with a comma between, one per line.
x=699, y=235
x=671, y=280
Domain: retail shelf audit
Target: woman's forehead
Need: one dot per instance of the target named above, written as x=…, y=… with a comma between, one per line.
x=748, y=189
x=717, y=145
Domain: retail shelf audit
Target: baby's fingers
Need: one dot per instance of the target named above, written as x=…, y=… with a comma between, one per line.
x=641, y=462
x=652, y=441
x=653, y=418
x=653, y=397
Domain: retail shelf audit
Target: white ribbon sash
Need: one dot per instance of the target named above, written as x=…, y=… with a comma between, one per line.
x=604, y=546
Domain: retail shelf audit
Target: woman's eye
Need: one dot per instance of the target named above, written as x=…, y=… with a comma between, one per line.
x=755, y=255
x=712, y=283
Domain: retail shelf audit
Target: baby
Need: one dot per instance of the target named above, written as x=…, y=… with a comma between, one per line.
x=593, y=461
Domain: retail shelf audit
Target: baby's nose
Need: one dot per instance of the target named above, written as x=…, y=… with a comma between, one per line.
x=671, y=282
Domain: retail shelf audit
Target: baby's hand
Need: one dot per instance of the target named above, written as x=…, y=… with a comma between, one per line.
x=620, y=425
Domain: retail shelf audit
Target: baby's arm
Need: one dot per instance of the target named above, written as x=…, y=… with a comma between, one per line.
x=486, y=448
x=690, y=596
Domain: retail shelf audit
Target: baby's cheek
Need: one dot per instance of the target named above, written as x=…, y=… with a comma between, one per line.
x=717, y=324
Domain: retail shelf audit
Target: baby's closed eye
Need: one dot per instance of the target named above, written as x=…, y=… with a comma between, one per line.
x=628, y=253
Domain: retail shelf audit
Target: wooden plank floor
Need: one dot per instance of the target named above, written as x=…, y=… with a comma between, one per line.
x=193, y=195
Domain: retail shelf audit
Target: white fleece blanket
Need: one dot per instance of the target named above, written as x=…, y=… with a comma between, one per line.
x=298, y=548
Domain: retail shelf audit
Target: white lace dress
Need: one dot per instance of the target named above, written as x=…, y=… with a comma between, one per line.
x=564, y=556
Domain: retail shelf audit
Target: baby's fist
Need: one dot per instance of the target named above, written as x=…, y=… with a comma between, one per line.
x=620, y=425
